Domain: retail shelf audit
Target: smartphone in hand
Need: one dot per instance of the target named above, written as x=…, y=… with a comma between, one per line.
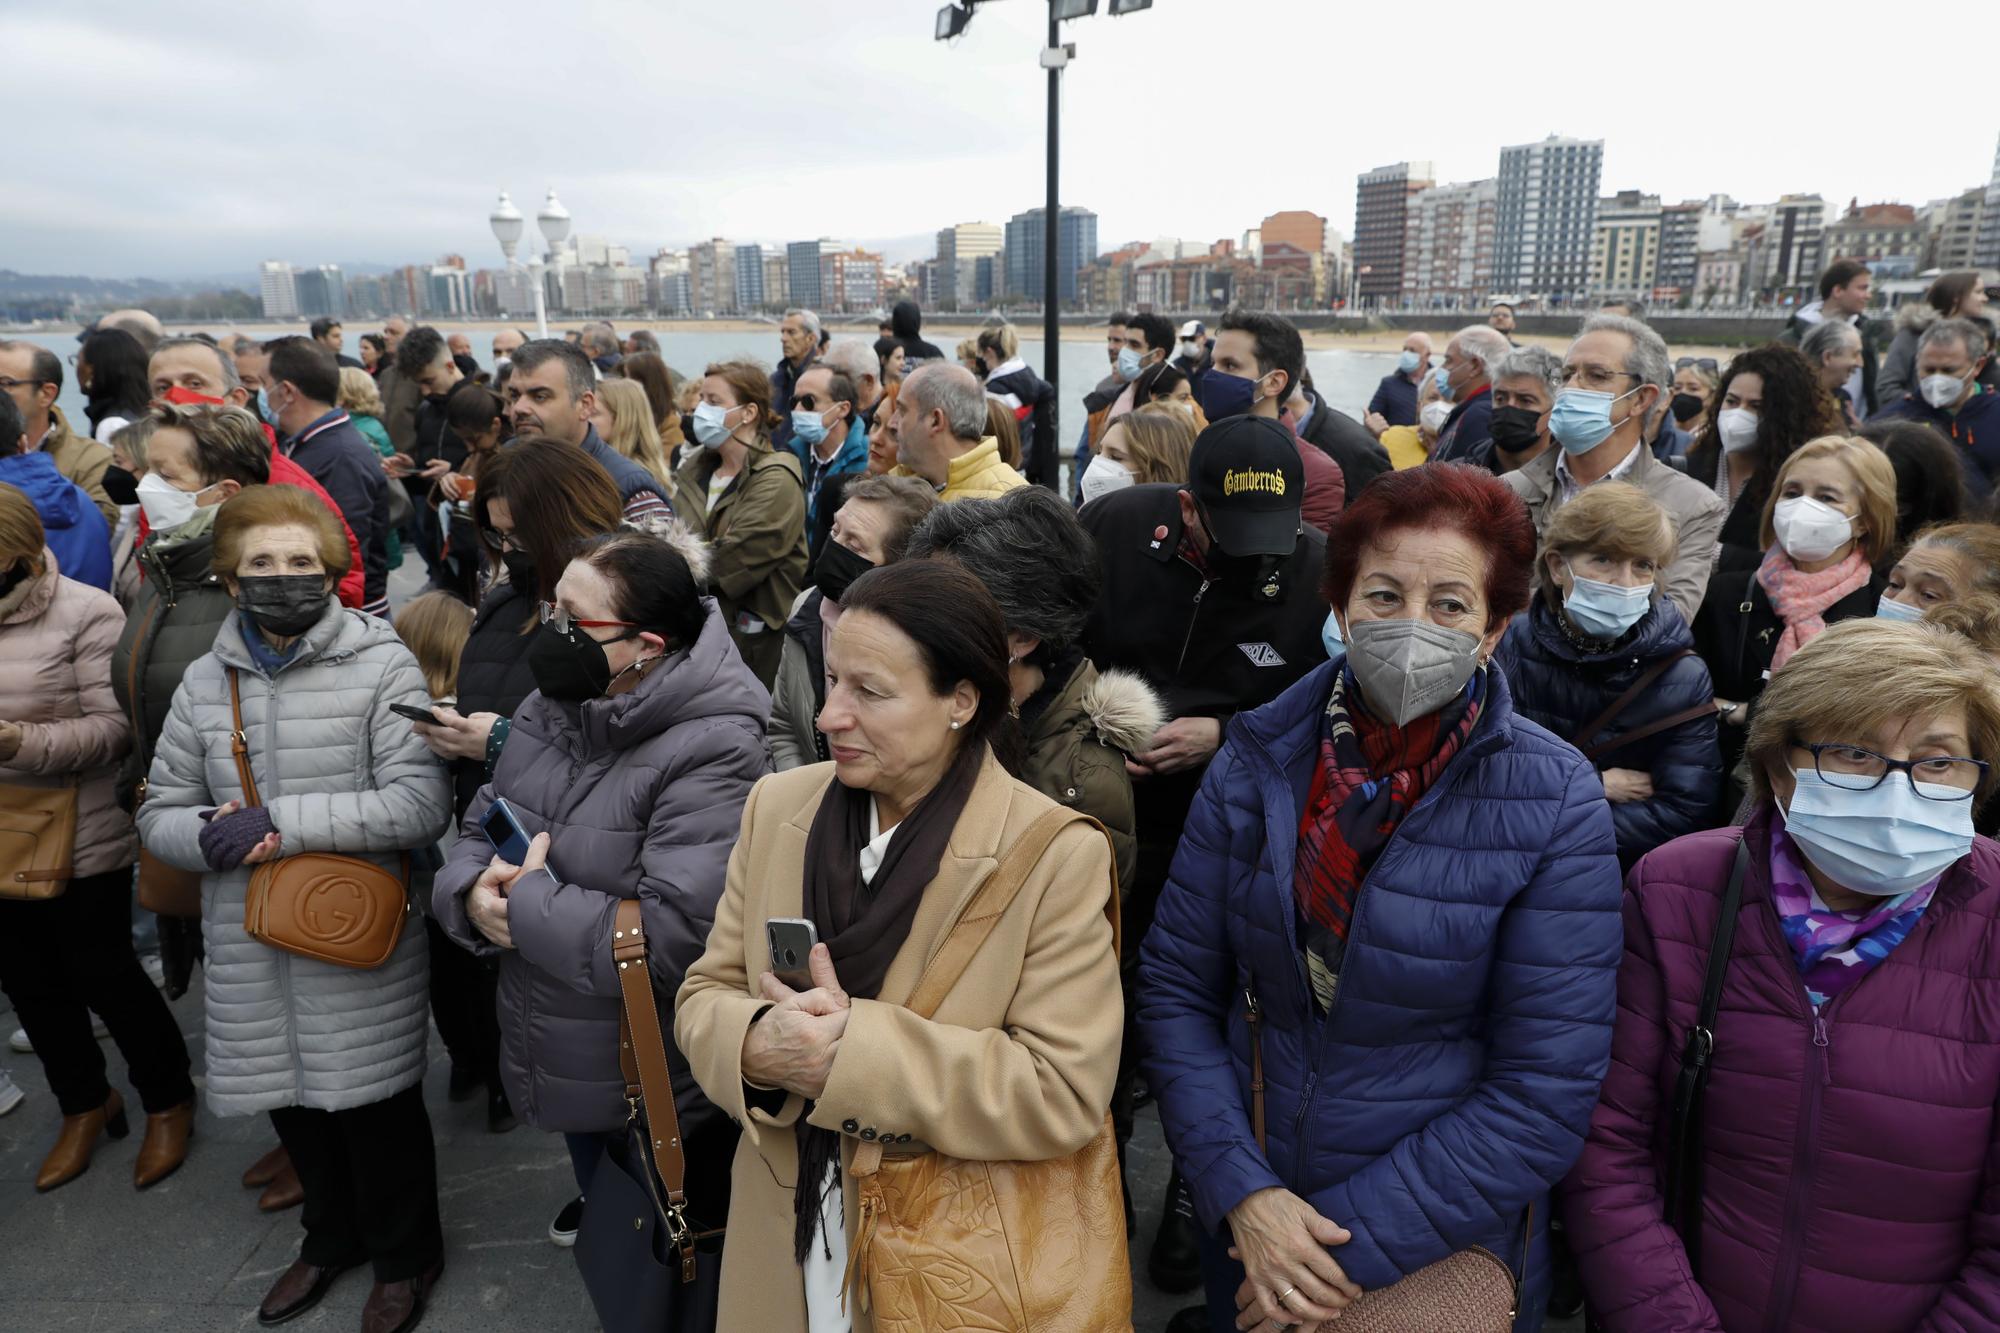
x=791, y=940
x=416, y=714
x=502, y=828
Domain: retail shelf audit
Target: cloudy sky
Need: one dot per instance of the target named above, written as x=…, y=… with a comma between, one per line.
x=196, y=137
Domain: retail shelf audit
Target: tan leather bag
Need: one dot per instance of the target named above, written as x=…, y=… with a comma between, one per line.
x=165, y=890
x=37, y=840
x=337, y=909
x=942, y=1242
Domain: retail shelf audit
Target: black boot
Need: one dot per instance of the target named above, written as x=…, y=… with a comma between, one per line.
x=1175, y=1261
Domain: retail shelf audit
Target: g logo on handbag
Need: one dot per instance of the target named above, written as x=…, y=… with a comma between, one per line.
x=336, y=910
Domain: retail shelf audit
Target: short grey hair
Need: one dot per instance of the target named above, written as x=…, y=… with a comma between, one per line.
x=1032, y=554
x=1649, y=362
x=807, y=318
x=1532, y=363
x=1961, y=331
x=230, y=379
x=1825, y=337
x=1487, y=346
x=600, y=339
x=852, y=357
x=950, y=387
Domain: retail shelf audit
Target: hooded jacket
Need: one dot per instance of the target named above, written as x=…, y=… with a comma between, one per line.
x=172, y=623
x=1469, y=426
x=83, y=460
x=906, y=326
x=641, y=794
x=340, y=459
x=1848, y=1182
x=56, y=637
x=757, y=535
x=1898, y=374
x=341, y=773
x=1565, y=688
x=1079, y=731
x=1974, y=428
x=1449, y=1087
x=71, y=525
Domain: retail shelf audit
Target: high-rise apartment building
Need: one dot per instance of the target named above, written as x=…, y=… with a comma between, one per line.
x=1448, y=242
x=1794, y=246
x=777, y=277
x=277, y=289
x=1026, y=241
x=954, y=278
x=1625, y=246
x=712, y=277
x=1989, y=221
x=1954, y=227
x=850, y=281
x=1548, y=216
x=1381, y=228
x=320, y=291
x=1680, y=244
x=749, y=278
x=804, y=263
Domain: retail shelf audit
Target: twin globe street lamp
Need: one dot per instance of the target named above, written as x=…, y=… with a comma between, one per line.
x=508, y=224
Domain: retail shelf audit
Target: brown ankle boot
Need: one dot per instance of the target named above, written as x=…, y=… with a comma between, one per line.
x=165, y=1146
x=70, y=1157
x=266, y=1168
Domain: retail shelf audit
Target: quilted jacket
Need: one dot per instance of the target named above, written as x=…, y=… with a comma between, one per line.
x=1565, y=689
x=641, y=794
x=1852, y=1160
x=340, y=773
x=1451, y=1084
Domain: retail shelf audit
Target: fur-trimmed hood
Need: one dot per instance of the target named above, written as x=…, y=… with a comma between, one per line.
x=1123, y=710
x=1916, y=317
x=693, y=547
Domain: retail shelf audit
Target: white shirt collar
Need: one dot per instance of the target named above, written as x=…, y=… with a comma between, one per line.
x=1571, y=487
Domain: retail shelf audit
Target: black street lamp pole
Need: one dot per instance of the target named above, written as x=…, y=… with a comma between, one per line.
x=1051, y=247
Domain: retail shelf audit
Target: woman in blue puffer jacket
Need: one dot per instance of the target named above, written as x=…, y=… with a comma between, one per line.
x=1601, y=650
x=1416, y=892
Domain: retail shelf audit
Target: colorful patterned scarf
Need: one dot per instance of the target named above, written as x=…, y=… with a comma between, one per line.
x=1800, y=599
x=1834, y=950
x=1370, y=774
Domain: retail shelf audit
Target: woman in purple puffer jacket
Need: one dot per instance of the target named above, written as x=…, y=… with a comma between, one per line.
x=1849, y=1151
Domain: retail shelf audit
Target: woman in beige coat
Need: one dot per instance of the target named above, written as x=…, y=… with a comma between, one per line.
x=882, y=850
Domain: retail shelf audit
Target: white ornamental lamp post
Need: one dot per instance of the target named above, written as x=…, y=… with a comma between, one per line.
x=554, y=222
x=507, y=225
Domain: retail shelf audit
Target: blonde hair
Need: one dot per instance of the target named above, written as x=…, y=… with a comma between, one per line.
x=1872, y=472
x=358, y=392
x=434, y=627
x=1006, y=431
x=21, y=534
x=1976, y=616
x=1861, y=673
x=1613, y=518
x=256, y=507
x=1158, y=439
x=633, y=432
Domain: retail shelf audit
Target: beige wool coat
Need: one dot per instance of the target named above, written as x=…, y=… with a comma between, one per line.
x=1017, y=1064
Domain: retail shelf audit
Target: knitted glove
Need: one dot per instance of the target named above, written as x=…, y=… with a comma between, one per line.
x=226, y=841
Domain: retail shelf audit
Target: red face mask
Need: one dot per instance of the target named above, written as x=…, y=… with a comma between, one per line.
x=189, y=398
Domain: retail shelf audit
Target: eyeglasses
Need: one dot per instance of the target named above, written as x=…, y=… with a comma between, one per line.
x=806, y=402
x=1594, y=377
x=9, y=382
x=562, y=622
x=503, y=541
x=1707, y=363
x=1852, y=768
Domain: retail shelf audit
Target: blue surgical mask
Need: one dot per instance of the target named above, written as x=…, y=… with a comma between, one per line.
x=1882, y=842
x=807, y=426
x=1581, y=418
x=711, y=425
x=264, y=409
x=1226, y=395
x=1329, y=636
x=1128, y=364
x=1408, y=362
x=1605, y=610
x=1885, y=609
x=1442, y=378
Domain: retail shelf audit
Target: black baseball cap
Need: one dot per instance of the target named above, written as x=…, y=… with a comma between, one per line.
x=1246, y=477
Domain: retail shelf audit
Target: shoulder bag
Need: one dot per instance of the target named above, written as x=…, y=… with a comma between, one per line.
x=944, y=1242
x=164, y=890
x=1595, y=727
x=648, y=1265
x=37, y=840
x=321, y=905
x=1472, y=1291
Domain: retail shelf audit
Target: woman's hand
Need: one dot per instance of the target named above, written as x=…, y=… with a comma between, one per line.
x=1734, y=714
x=792, y=1046
x=486, y=904
x=1291, y=1279
x=10, y=740
x=1627, y=784
x=456, y=736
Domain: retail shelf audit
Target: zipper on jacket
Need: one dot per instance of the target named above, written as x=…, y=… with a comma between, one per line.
x=1193, y=615
x=1805, y=1151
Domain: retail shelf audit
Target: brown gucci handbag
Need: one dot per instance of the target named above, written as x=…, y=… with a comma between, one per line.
x=37, y=840
x=337, y=909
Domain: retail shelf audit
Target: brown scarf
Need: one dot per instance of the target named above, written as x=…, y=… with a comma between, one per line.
x=864, y=925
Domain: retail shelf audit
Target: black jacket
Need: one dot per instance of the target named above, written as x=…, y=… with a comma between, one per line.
x=906, y=325
x=342, y=461
x=1741, y=546
x=1469, y=426
x=1040, y=458
x=1348, y=443
x=493, y=676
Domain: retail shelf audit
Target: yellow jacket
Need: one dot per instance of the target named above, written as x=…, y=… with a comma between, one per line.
x=1406, y=447
x=976, y=474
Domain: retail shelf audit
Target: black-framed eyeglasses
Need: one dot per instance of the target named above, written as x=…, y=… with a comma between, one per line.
x=1707, y=363
x=1855, y=768
x=9, y=382
x=503, y=541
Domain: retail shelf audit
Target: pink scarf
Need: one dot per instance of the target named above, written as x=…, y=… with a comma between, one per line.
x=1800, y=598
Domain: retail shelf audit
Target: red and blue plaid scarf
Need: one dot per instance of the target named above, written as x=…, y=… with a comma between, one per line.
x=1370, y=774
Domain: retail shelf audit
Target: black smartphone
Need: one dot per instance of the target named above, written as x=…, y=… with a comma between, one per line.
x=791, y=940
x=502, y=828
x=416, y=714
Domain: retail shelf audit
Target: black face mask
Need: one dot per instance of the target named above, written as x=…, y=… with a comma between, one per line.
x=121, y=486
x=570, y=667
x=1686, y=407
x=520, y=571
x=1515, y=429
x=282, y=604
x=837, y=569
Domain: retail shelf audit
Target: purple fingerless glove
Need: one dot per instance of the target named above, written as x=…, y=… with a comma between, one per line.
x=226, y=841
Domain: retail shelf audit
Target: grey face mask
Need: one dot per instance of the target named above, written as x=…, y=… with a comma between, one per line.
x=1409, y=668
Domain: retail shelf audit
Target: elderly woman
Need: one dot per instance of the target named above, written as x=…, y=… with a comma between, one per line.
x=1840, y=1173
x=66, y=957
x=1397, y=900
x=1828, y=524
x=1604, y=661
x=869, y=530
x=335, y=1054
x=1945, y=564
x=1832, y=348
x=881, y=851
x=627, y=767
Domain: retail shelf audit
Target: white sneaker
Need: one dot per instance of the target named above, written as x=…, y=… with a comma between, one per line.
x=19, y=1041
x=156, y=971
x=11, y=1096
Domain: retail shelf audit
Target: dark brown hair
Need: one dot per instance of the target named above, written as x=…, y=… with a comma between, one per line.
x=1796, y=408
x=558, y=496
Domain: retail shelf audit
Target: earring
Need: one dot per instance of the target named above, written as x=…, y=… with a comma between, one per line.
x=956, y=725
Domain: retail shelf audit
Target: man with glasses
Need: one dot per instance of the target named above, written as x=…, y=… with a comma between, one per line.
x=1613, y=375
x=831, y=443
x=33, y=377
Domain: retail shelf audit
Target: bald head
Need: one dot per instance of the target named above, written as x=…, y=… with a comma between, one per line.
x=141, y=324
x=1420, y=343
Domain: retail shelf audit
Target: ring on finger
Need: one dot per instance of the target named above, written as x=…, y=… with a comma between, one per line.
x=1280, y=1297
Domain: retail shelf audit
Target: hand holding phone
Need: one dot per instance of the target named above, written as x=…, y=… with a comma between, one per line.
x=416, y=714
x=503, y=829
x=791, y=940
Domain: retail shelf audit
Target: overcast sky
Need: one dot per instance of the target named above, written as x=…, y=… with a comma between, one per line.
x=195, y=137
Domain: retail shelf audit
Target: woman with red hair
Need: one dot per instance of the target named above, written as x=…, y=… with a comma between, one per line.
x=1398, y=901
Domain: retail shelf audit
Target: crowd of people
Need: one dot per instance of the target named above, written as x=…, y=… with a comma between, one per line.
x=1539, y=815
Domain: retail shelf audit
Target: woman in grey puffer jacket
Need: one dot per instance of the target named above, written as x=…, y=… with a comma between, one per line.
x=628, y=767
x=335, y=1054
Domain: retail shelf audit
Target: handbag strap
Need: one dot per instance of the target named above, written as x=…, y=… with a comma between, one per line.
x=1682, y=1187
x=649, y=1086
x=1639, y=686
x=1653, y=728
x=239, y=744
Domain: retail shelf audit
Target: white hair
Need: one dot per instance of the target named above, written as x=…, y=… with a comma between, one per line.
x=1487, y=346
x=807, y=318
x=951, y=387
x=852, y=357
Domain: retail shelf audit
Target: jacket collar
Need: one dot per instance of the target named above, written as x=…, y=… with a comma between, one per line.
x=704, y=679
x=327, y=640
x=972, y=462
x=31, y=597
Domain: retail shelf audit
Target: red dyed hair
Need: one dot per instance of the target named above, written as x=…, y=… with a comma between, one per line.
x=1466, y=499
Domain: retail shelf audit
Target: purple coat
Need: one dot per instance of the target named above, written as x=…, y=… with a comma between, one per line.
x=1852, y=1180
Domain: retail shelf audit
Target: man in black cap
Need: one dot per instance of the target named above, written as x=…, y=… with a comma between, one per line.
x=1211, y=595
